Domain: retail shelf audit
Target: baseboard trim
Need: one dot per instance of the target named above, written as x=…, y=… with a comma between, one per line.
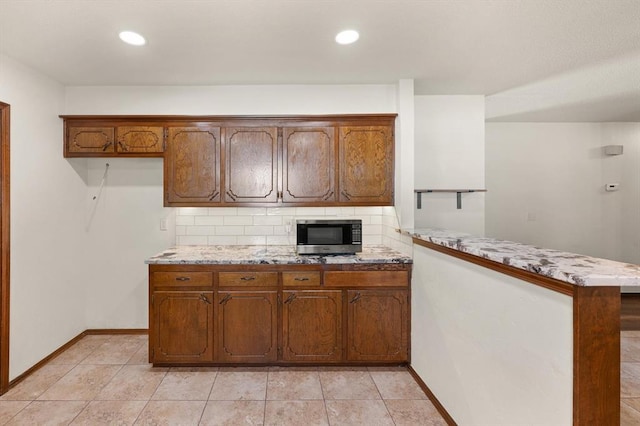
x=67, y=345
x=116, y=331
x=443, y=412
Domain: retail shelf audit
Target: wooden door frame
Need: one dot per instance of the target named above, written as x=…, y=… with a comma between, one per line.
x=4, y=247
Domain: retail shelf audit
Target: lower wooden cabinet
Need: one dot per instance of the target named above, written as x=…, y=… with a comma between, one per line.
x=377, y=325
x=182, y=326
x=312, y=325
x=247, y=325
x=279, y=314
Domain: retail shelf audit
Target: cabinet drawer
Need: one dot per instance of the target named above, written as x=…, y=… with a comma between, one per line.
x=366, y=279
x=248, y=279
x=302, y=278
x=182, y=279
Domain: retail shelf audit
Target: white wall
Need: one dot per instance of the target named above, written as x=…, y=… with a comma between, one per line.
x=125, y=226
x=123, y=229
x=546, y=187
x=449, y=154
x=481, y=344
x=48, y=246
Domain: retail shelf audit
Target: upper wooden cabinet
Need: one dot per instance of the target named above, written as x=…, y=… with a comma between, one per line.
x=100, y=136
x=140, y=139
x=192, y=166
x=89, y=140
x=251, y=164
x=309, y=164
x=366, y=164
x=212, y=161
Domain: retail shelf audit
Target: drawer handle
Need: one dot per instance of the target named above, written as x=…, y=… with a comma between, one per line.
x=301, y=279
x=204, y=299
x=248, y=278
x=355, y=298
x=182, y=278
x=290, y=298
x=225, y=299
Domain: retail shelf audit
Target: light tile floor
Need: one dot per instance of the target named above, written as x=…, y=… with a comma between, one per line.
x=106, y=380
x=630, y=378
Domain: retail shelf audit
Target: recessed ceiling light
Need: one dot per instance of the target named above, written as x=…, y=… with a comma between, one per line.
x=130, y=37
x=347, y=37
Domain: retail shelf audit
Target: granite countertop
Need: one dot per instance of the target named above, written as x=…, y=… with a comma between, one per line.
x=269, y=255
x=573, y=268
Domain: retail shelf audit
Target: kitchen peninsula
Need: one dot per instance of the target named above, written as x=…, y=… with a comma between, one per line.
x=507, y=331
x=267, y=305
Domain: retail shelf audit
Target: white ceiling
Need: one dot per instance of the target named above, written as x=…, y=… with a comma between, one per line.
x=490, y=47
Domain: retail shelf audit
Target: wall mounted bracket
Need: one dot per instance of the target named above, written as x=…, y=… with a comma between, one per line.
x=458, y=192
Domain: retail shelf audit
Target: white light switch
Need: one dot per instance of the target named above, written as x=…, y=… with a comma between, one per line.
x=164, y=224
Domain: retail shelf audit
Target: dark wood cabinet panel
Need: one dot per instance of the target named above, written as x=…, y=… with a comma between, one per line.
x=92, y=140
x=248, y=279
x=301, y=278
x=251, y=164
x=308, y=155
x=137, y=139
x=182, y=326
x=182, y=279
x=192, y=166
x=366, y=278
x=312, y=325
x=279, y=314
x=366, y=164
x=211, y=161
x=377, y=325
x=247, y=324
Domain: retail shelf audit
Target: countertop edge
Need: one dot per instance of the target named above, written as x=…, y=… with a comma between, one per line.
x=575, y=269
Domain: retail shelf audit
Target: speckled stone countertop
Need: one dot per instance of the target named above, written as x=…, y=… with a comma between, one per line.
x=569, y=267
x=269, y=255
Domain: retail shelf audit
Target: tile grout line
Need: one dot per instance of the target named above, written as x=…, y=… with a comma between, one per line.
x=324, y=401
x=264, y=407
x=381, y=398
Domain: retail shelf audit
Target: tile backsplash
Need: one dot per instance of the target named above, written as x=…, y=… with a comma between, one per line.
x=276, y=225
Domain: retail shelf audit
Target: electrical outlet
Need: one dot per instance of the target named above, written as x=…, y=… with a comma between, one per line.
x=164, y=224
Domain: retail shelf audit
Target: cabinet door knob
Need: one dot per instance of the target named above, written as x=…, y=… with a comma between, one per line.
x=290, y=298
x=355, y=298
x=106, y=145
x=204, y=299
x=225, y=299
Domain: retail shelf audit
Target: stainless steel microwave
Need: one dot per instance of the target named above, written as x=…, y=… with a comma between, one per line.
x=328, y=236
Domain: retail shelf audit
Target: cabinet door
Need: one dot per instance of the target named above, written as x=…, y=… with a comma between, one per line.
x=192, y=166
x=309, y=164
x=97, y=140
x=377, y=325
x=183, y=326
x=366, y=164
x=251, y=164
x=247, y=326
x=140, y=139
x=312, y=322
